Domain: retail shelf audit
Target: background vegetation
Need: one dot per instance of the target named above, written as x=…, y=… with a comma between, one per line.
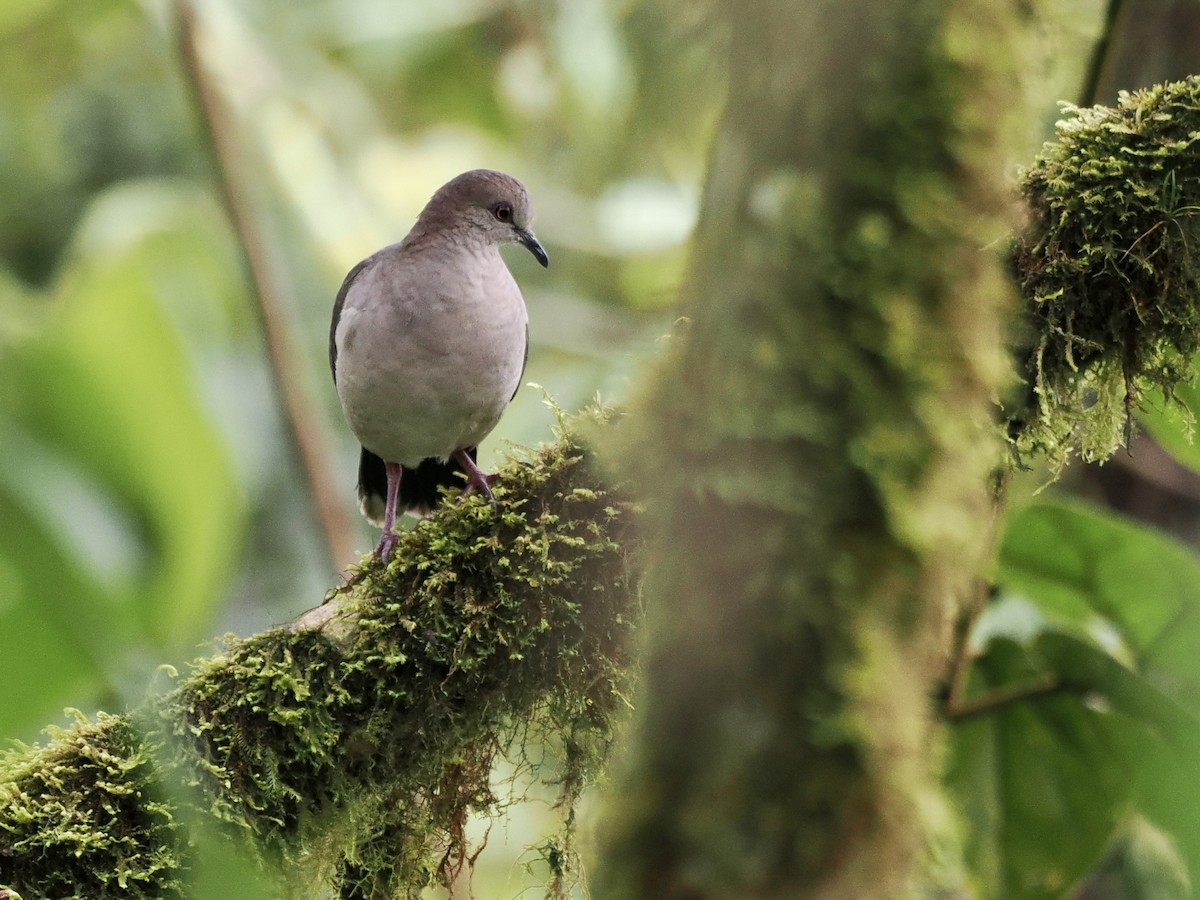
x=159, y=179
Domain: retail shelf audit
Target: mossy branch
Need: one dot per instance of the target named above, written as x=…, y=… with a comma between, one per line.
x=378, y=726
x=1108, y=268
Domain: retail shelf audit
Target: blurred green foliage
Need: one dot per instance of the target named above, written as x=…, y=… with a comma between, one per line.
x=123, y=519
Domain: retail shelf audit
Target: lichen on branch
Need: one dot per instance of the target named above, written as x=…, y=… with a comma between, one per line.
x=349, y=754
x=1108, y=268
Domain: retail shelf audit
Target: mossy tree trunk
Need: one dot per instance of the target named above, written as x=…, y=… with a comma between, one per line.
x=817, y=454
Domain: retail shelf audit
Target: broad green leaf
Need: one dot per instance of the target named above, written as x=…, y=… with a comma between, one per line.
x=1044, y=781
x=1165, y=791
x=1099, y=605
x=46, y=608
x=1039, y=783
x=1129, y=588
x=140, y=428
x=1103, y=683
x=123, y=519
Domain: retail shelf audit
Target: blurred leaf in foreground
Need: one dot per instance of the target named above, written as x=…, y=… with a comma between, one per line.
x=122, y=517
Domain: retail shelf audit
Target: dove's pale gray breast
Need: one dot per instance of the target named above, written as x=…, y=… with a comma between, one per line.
x=430, y=346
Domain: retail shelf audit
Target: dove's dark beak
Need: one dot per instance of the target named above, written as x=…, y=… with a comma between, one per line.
x=527, y=238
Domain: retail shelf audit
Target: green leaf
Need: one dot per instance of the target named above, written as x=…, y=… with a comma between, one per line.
x=1126, y=587
x=121, y=517
x=1102, y=683
x=1044, y=781
x=1095, y=710
x=1041, y=782
x=49, y=658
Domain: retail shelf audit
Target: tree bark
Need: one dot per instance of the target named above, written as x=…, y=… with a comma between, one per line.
x=817, y=453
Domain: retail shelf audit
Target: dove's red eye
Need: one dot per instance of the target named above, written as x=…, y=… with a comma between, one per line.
x=502, y=212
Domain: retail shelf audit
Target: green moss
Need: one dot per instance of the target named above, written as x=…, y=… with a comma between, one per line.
x=351, y=754
x=1108, y=270
x=87, y=796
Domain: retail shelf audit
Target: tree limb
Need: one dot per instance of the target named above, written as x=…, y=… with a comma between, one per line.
x=379, y=725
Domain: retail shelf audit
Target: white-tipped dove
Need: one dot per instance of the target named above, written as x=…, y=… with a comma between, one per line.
x=428, y=344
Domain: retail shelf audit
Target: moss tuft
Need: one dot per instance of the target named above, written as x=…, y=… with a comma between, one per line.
x=351, y=754
x=87, y=796
x=1108, y=270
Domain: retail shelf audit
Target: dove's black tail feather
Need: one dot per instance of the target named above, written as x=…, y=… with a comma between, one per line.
x=418, y=486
